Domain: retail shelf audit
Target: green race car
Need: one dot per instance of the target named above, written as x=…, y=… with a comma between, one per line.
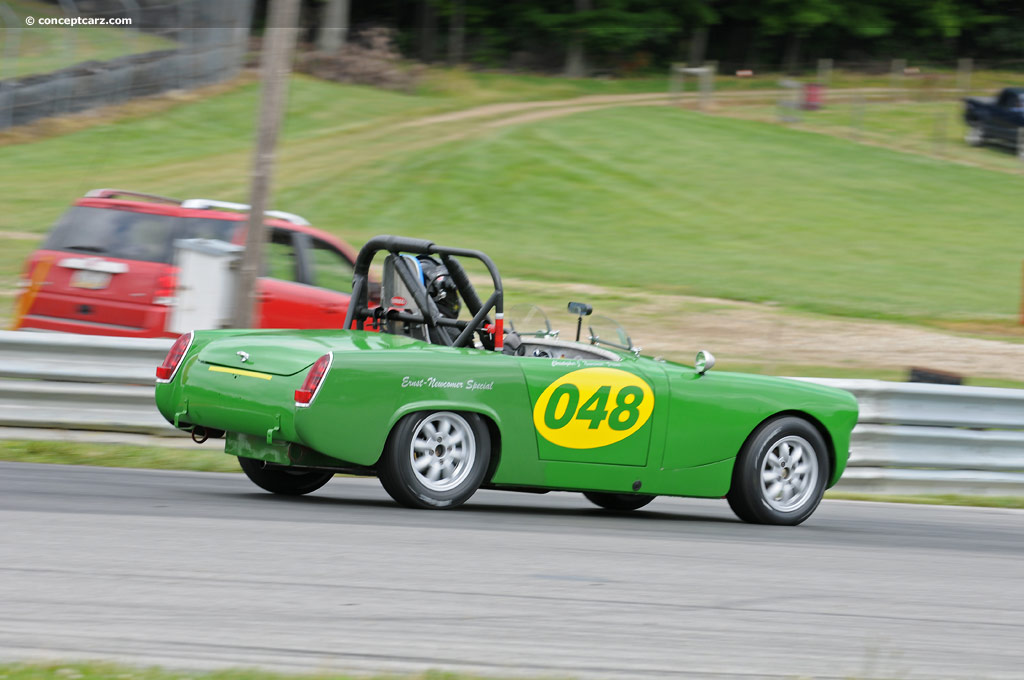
x=437, y=407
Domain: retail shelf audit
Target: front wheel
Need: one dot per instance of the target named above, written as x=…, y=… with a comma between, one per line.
x=619, y=502
x=780, y=474
x=282, y=479
x=435, y=459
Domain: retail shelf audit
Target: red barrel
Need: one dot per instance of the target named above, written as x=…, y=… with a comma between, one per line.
x=814, y=96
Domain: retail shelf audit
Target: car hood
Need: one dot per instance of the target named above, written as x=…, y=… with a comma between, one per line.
x=800, y=393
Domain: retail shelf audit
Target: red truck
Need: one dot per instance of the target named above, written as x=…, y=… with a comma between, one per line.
x=107, y=266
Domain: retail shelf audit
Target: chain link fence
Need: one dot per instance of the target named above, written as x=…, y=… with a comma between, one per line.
x=72, y=55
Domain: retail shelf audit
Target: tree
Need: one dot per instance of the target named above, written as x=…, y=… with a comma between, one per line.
x=457, y=32
x=427, y=29
x=576, y=58
x=601, y=27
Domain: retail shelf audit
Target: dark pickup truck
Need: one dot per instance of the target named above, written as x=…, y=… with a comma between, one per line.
x=997, y=120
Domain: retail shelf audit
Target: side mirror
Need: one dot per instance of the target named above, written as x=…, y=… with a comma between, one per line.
x=580, y=309
x=704, y=362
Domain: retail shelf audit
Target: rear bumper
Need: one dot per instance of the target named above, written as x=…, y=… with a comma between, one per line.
x=231, y=402
x=153, y=329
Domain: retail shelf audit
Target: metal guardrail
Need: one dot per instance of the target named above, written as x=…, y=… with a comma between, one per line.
x=80, y=382
x=911, y=437
x=914, y=438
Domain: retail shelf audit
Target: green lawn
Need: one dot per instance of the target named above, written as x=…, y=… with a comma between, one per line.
x=650, y=198
x=675, y=201
x=207, y=458
x=41, y=49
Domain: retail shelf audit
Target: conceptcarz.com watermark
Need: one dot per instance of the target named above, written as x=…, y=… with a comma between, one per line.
x=78, y=21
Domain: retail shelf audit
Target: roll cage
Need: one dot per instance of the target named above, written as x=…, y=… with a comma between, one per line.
x=428, y=315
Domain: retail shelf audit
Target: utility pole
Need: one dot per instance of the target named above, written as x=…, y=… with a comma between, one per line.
x=279, y=44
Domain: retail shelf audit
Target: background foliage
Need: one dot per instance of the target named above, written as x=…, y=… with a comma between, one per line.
x=629, y=35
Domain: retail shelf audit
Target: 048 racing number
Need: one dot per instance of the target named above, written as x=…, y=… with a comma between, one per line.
x=593, y=407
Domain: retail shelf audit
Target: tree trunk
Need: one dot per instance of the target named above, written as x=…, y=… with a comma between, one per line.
x=792, y=59
x=457, y=33
x=576, y=59
x=698, y=46
x=427, y=31
x=752, y=57
x=334, y=26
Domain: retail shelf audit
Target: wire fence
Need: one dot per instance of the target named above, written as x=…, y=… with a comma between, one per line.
x=75, y=55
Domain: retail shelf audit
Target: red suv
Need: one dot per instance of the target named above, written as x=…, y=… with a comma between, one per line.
x=107, y=266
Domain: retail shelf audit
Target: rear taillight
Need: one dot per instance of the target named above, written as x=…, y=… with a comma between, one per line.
x=166, y=370
x=311, y=385
x=166, y=285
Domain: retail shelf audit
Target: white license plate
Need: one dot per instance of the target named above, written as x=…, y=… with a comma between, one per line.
x=85, y=278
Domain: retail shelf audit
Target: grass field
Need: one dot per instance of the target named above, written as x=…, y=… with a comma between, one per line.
x=209, y=458
x=651, y=198
x=932, y=128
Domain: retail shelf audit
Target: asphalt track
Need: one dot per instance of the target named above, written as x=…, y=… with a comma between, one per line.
x=202, y=570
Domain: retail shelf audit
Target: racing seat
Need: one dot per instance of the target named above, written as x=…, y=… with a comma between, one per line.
x=433, y=286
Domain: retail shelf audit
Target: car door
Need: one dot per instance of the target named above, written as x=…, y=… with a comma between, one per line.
x=590, y=411
x=330, y=271
x=283, y=299
x=307, y=282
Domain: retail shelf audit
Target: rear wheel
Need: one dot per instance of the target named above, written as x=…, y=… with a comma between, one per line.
x=435, y=459
x=282, y=479
x=780, y=474
x=975, y=135
x=620, y=502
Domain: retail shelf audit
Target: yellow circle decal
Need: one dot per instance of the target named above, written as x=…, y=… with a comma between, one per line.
x=593, y=407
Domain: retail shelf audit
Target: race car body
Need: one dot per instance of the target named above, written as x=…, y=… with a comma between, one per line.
x=435, y=421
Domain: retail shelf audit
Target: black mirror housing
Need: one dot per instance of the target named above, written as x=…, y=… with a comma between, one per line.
x=580, y=309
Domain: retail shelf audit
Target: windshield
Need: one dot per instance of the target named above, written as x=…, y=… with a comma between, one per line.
x=531, y=321
x=607, y=331
x=130, y=235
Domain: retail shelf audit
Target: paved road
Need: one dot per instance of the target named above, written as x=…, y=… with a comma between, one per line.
x=203, y=570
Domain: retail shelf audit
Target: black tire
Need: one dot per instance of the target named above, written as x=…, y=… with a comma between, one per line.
x=975, y=135
x=780, y=474
x=619, y=502
x=435, y=459
x=281, y=479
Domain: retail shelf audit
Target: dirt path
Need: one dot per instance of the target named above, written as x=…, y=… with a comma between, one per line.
x=512, y=113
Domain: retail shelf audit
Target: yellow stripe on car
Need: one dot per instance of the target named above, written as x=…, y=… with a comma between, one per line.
x=238, y=371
